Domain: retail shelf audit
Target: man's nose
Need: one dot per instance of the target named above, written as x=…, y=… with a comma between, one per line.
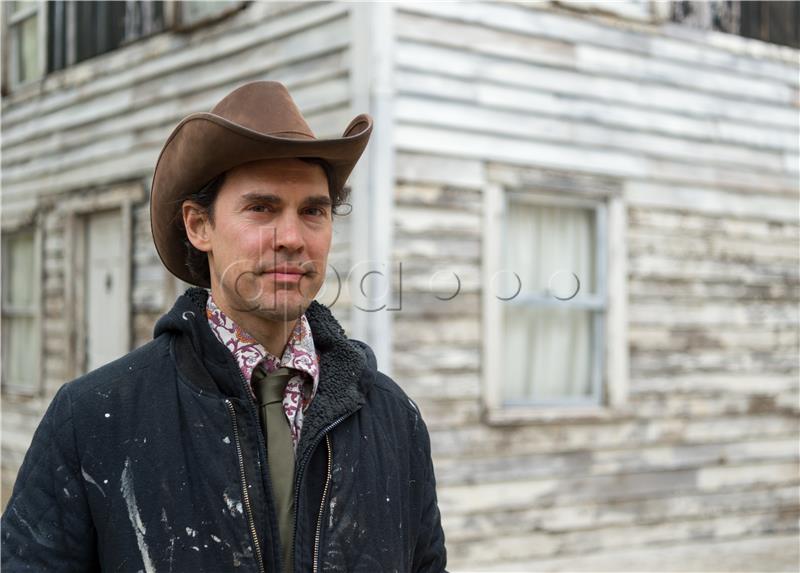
x=288, y=233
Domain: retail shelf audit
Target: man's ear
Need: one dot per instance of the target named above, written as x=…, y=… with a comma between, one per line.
x=197, y=225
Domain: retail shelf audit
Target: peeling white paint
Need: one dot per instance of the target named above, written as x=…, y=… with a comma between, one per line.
x=126, y=487
x=215, y=538
x=191, y=532
x=226, y=439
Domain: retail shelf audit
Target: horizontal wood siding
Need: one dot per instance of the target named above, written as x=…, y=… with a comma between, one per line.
x=700, y=131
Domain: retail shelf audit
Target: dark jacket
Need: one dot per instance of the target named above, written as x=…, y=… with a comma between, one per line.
x=156, y=462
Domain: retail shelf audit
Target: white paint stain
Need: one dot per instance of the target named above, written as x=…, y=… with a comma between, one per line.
x=215, y=538
x=233, y=505
x=226, y=439
x=107, y=415
x=27, y=525
x=191, y=532
x=171, y=552
x=89, y=479
x=126, y=487
x=330, y=513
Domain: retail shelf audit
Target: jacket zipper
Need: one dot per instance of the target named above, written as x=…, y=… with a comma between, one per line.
x=245, y=493
x=322, y=503
x=300, y=468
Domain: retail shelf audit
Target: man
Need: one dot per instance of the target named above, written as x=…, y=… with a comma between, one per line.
x=251, y=434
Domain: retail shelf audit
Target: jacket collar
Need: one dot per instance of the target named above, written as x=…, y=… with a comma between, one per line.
x=347, y=367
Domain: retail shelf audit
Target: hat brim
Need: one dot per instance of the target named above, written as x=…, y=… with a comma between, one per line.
x=204, y=145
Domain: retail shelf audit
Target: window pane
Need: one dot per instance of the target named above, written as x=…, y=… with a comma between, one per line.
x=20, y=361
x=19, y=280
x=547, y=354
x=26, y=37
x=544, y=244
x=142, y=18
x=105, y=26
x=56, y=35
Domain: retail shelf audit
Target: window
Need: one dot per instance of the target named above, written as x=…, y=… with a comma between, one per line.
x=775, y=22
x=45, y=37
x=550, y=340
x=26, y=61
x=20, y=304
x=552, y=320
x=97, y=28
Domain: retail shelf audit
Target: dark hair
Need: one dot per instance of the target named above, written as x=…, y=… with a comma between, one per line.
x=197, y=260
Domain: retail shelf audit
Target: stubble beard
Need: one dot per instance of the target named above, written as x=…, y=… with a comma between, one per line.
x=273, y=302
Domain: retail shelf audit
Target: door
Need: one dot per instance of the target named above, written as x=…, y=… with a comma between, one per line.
x=105, y=302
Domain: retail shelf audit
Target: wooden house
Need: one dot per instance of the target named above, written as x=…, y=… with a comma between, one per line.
x=574, y=241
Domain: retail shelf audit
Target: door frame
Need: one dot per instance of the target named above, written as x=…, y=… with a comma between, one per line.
x=78, y=210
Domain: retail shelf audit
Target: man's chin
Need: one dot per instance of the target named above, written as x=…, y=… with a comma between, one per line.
x=281, y=309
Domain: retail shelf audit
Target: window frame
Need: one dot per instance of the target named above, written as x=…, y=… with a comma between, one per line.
x=609, y=303
x=35, y=312
x=76, y=211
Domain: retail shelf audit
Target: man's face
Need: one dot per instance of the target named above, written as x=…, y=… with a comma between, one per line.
x=269, y=241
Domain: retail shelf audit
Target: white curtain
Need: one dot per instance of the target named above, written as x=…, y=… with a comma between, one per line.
x=547, y=350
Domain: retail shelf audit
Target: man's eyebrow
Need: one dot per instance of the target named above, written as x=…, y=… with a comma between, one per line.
x=314, y=200
x=260, y=197
x=319, y=201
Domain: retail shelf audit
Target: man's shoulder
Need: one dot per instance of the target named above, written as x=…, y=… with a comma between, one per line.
x=384, y=384
x=131, y=367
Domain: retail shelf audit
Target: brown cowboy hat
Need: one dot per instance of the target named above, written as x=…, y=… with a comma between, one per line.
x=256, y=121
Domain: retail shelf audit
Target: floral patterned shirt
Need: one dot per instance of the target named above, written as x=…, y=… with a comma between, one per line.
x=299, y=354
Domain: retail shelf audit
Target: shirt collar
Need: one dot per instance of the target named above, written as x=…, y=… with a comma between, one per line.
x=299, y=352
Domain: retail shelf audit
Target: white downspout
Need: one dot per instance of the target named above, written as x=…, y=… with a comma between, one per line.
x=372, y=84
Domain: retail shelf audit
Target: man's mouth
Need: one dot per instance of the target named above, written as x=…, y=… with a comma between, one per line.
x=286, y=273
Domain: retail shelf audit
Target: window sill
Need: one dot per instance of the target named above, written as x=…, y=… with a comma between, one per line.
x=528, y=415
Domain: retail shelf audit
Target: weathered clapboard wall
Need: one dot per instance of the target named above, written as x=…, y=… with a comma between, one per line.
x=700, y=133
x=95, y=130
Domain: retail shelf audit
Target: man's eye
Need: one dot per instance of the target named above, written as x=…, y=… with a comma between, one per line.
x=316, y=211
x=258, y=208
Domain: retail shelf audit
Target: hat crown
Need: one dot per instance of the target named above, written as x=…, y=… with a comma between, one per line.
x=265, y=107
